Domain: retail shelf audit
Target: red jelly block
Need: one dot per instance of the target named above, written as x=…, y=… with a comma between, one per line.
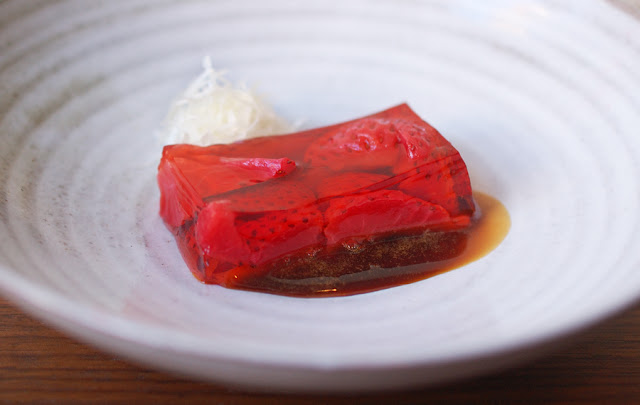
x=242, y=212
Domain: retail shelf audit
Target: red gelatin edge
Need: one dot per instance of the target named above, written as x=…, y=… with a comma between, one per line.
x=303, y=202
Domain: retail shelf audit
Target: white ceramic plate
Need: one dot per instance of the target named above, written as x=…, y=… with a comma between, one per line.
x=541, y=97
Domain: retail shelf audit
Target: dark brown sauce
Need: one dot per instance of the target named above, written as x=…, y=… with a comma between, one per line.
x=398, y=260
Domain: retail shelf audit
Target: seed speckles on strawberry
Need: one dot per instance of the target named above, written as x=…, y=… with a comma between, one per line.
x=237, y=209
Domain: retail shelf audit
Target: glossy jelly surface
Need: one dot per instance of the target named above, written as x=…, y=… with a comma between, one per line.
x=333, y=210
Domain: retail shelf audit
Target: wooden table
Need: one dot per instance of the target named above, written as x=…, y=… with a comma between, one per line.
x=38, y=364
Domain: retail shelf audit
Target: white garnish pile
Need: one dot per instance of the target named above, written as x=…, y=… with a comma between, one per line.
x=211, y=110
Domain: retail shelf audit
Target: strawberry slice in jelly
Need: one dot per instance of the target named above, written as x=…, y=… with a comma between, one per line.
x=300, y=207
x=369, y=143
x=186, y=178
x=355, y=218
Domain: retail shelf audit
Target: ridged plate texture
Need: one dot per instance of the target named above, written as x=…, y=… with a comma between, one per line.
x=542, y=98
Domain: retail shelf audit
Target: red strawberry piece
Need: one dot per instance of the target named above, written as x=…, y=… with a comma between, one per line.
x=273, y=195
x=363, y=144
x=186, y=176
x=280, y=232
x=331, y=184
x=444, y=182
x=178, y=199
x=214, y=174
x=435, y=169
x=217, y=237
x=421, y=140
x=380, y=212
x=229, y=239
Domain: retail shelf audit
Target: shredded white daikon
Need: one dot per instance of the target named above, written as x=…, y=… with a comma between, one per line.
x=211, y=110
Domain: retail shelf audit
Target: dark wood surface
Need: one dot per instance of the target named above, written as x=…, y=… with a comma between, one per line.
x=39, y=364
